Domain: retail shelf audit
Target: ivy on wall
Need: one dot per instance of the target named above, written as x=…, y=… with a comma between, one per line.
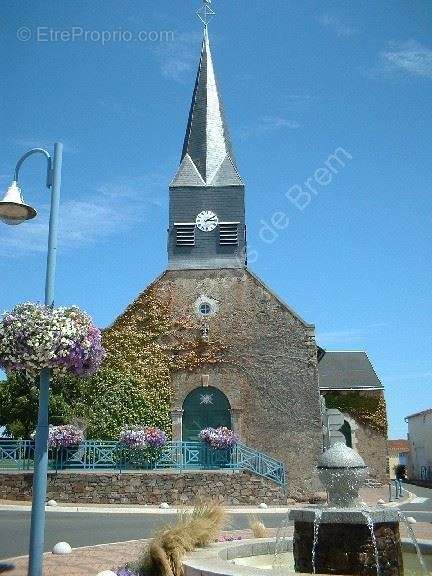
x=115, y=399
x=366, y=408
x=145, y=345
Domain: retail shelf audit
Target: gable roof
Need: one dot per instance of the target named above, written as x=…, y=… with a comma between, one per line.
x=346, y=371
x=398, y=446
x=422, y=413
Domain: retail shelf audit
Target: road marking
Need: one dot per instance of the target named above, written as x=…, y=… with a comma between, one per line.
x=419, y=500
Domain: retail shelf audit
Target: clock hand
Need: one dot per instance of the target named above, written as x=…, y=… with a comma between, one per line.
x=210, y=219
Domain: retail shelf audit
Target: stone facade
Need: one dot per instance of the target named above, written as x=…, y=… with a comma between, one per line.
x=268, y=371
x=372, y=447
x=370, y=441
x=146, y=487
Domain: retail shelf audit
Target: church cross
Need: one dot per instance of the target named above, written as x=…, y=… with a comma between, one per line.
x=206, y=13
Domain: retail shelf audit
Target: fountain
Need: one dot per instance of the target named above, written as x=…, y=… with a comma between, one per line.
x=346, y=537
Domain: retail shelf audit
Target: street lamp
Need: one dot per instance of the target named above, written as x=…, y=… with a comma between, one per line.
x=14, y=211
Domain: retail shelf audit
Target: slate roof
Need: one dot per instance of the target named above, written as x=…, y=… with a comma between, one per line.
x=346, y=371
x=422, y=413
x=207, y=157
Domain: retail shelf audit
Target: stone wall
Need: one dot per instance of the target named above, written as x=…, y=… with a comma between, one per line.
x=152, y=487
x=372, y=447
x=369, y=429
x=268, y=371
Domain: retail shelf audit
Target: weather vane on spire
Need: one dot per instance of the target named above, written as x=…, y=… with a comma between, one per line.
x=206, y=13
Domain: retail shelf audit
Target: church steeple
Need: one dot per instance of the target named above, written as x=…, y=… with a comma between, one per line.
x=207, y=157
x=206, y=210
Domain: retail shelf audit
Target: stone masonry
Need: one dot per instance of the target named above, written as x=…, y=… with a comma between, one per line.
x=269, y=367
x=146, y=487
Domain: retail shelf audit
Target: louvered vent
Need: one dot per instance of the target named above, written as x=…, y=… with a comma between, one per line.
x=228, y=234
x=185, y=234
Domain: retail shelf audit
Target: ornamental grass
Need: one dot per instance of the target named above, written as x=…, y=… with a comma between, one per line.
x=164, y=555
x=258, y=528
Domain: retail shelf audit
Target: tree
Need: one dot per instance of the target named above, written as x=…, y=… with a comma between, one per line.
x=19, y=404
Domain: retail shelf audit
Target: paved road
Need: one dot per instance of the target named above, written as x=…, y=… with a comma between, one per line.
x=81, y=529
x=421, y=507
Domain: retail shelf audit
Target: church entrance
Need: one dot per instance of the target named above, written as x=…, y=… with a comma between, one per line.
x=204, y=407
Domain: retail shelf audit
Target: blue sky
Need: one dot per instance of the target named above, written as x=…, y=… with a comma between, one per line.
x=299, y=80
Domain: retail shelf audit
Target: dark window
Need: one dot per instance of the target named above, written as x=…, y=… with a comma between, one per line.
x=205, y=309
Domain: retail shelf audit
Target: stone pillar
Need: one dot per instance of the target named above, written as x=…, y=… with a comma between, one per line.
x=235, y=419
x=177, y=422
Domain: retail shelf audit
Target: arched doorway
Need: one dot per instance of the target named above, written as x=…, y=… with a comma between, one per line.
x=204, y=407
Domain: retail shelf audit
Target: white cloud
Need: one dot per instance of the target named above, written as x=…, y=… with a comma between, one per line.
x=276, y=122
x=179, y=57
x=409, y=57
x=109, y=210
x=268, y=124
x=336, y=25
x=347, y=336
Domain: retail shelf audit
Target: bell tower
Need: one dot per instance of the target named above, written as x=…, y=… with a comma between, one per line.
x=206, y=206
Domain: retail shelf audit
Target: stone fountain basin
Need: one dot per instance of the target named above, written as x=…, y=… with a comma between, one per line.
x=345, y=515
x=217, y=560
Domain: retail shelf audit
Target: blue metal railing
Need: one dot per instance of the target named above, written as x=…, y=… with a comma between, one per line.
x=106, y=455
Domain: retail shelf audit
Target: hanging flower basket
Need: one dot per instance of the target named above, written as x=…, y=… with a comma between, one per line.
x=220, y=438
x=35, y=336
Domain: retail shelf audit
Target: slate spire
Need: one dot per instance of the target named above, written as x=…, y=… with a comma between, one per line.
x=207, y=157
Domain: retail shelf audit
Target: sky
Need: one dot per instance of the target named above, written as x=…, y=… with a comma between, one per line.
x=301, y=81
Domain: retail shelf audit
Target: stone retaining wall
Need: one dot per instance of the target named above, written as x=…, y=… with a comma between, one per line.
x=151, y=487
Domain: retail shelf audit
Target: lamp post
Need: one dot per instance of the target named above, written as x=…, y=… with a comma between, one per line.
x=13, y=210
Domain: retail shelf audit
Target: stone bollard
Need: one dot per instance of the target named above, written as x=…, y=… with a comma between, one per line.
x=62, y=548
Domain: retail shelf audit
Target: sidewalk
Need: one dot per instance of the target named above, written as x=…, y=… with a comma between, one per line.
x=91, y=560
x=368, y=495
x=88, y=561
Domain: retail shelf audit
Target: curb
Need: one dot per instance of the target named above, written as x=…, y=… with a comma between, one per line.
x=148, y=510
x=174, y=510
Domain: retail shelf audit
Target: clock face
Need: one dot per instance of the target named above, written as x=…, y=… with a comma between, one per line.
x=206, y=221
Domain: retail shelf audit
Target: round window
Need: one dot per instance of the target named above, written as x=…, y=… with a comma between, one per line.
x=206, y=306
x=205, y=309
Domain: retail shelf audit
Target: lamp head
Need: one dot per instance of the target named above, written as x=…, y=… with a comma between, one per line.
x=12, y=208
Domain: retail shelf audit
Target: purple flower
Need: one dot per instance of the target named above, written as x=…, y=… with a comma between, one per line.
x=64, y=436
x=220, y=438
x=142, y=437
x=125, y=571
x=34, y=336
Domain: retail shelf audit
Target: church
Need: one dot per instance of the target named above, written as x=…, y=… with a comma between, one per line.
x=260, y=370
